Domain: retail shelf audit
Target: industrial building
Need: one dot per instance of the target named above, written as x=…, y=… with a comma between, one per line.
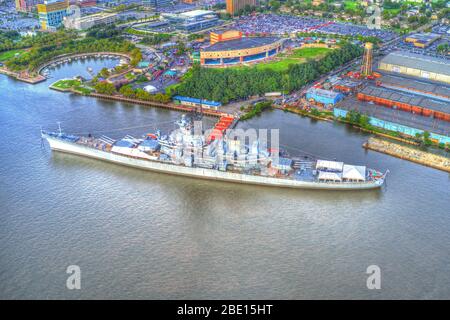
x=432, y=68
x=194, y=102
x=417, y=86
x=347, y=86
x=51, y=13
x=408, y=102
x=192, y=21
x=27, y=5
x=396, y=120
x=422, y=40
x=234, y=6
x=157, y=3
x=230, y=48
x=86, y=22
x=324, y=97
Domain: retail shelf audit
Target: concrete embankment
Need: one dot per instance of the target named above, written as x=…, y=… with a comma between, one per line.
x=412, y=154
x=25, y=77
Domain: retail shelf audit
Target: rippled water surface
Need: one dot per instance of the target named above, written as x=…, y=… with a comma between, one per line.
x=138, y=234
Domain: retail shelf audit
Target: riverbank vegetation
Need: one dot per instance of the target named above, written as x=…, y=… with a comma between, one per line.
x=256, y=109
x=226, y=85
x=128, y=91
x=46, y=47
x=362, y=121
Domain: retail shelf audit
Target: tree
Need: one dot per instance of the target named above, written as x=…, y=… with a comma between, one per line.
x=104, y=73
x=105, y=88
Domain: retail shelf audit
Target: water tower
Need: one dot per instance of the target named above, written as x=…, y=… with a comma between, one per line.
x=366, y=67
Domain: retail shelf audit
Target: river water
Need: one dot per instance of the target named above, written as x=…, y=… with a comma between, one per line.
x=138, y=234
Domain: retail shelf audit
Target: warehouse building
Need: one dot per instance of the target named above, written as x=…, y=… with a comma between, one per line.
x=198, y=103
x=413, y=85
x=413, y=103
x=325, y=97
x=432, y=68
x=396, y=120
x=422, y=40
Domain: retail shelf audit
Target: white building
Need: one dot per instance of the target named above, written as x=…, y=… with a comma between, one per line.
x=86, y=22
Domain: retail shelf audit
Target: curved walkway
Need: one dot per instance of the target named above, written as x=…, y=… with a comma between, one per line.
x=64, y=57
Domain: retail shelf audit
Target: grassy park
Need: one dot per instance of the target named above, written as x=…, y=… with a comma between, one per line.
x=283, y=60
x=6, y=55
x=72, y=85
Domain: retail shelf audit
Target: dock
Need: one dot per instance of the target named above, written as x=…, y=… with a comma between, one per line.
x=171, y=106
x=25, y=77
x=409, y=153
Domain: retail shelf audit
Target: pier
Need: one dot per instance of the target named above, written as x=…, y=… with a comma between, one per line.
x=170, y=106
x=409, y=153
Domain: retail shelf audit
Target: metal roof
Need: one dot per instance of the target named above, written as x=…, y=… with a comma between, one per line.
x=418, y=61
x=422, y=85
x=243, y=43
x=408, y=98
x=324, y=93
x=200, y=101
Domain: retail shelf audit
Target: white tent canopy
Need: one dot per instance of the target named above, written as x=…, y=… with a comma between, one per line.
x=150, y=88
x=330, y=176
x=354, y=173
x=329, y=165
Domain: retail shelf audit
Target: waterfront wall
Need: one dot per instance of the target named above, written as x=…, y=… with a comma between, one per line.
x=409, y=153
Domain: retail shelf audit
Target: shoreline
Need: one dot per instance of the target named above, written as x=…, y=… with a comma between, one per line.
x=408, y=153
x=26, y=77
x=306, y=114
x=170, y=106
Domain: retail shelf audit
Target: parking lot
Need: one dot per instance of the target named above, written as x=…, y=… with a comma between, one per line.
x=11, y=20
x=281, y=24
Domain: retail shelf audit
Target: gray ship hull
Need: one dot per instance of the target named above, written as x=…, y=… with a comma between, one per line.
x=210, y=174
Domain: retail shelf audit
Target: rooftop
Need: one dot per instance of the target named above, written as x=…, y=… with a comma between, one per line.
x=196, y=13
x=424, y=37
x=396, y=116
x=425, y=86
x=243, y=43
x=324, y=93
x=418, y=61
x=408, y=98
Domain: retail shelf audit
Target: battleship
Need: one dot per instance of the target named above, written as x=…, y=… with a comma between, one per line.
x=217, y=157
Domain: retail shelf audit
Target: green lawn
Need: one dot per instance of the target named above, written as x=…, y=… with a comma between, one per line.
x=311, y=53
x=350, y=5
x=284, y=60
x=66, y=84
x=10, y=54
x=76, y=85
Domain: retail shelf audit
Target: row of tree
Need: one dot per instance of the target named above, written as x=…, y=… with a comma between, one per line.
x=45, y=48
x=127, y=91
x=227, y=85
x=358, y=37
